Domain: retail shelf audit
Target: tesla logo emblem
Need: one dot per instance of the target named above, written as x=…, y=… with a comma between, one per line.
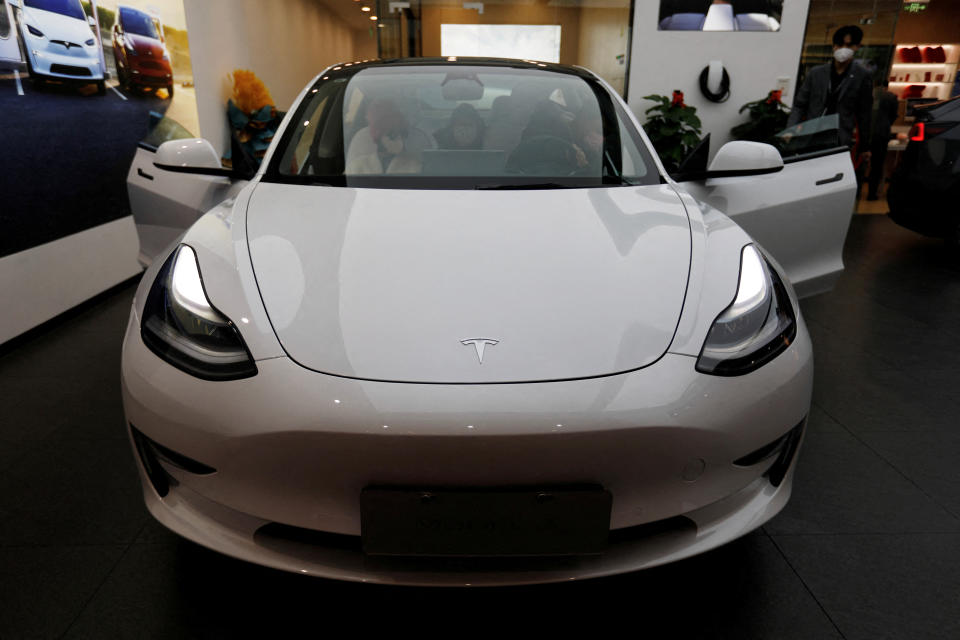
x=479, y=344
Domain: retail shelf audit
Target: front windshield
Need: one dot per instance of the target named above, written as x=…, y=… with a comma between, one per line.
x=70, y=8
x=461, y=127
x=138, y=23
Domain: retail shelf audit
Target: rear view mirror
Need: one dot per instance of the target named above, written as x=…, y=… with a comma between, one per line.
x=191, y=155
x=458, y=87
x=743, y=158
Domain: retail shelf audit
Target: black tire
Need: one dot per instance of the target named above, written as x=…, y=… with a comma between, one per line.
x=101, y=87
x=170, y=91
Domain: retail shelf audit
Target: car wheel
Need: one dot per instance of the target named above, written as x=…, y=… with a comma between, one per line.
x=170, y=91
x=101, y=88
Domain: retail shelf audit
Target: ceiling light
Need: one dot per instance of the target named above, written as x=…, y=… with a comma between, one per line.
x=373, y=17
x=364, y=8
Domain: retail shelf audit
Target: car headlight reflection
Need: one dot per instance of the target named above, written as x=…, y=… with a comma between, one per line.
x=182, y=327
x=757, y=326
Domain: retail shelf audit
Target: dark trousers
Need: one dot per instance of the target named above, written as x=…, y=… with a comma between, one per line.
x=878, y=157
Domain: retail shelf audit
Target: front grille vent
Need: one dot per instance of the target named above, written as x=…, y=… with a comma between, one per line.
x=70, y=70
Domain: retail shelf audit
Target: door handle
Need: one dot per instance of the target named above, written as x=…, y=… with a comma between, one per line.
x=144, y=174
x=836, y=178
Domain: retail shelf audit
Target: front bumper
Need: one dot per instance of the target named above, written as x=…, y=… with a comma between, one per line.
x=81, y=66
x=150, y=72
x=295, y=448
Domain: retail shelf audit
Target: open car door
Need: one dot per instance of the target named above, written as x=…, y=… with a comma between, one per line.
x=164, y=203
x=10, y=53
x=799, y=214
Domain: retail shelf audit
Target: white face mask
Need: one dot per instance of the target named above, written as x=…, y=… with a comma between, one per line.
x=842, y=54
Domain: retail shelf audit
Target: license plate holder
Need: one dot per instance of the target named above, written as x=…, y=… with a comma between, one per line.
x=484, y=522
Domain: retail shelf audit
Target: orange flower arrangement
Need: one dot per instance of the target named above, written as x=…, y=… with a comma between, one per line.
x=249, y=92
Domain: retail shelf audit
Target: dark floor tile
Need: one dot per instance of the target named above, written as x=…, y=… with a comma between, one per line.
x=884, y=400
x=83, y=407
x=841, y=486
x=66, y=354
x=882, y=586
x=42, y=590
x=820, y=422
x=177, y=589
x=72, y=492
x=930, y=460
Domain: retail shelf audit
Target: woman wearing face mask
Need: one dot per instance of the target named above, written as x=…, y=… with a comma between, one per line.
x=380, y=147
x=841, y=87
x=464, y=131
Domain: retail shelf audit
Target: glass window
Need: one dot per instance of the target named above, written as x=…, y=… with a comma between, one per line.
x=590, y=33
x=163, y=129
x=4, y=20
x=70, y=8
x=138, y=23
x=463, y=127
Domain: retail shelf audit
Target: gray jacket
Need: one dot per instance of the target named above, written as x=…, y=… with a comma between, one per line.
x=854, y=102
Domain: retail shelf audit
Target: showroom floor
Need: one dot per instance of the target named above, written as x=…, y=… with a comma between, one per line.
x=869, y=546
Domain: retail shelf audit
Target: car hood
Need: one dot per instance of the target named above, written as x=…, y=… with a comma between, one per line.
x=56, y=26
x=389, y=284
x=145, y=45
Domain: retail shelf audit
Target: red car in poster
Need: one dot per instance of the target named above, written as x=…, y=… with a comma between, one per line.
x=139, y=50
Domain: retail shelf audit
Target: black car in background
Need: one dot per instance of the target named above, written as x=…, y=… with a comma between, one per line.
x=924, y=192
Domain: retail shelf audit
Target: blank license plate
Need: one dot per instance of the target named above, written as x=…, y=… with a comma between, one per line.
x=548, y=522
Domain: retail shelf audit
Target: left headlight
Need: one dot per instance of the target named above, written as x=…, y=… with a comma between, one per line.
x=182, y=327
x=757, y=326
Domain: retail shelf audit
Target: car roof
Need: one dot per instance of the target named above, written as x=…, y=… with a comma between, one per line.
x=462, y=61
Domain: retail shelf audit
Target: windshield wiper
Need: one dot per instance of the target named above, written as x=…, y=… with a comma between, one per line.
x=532, y=185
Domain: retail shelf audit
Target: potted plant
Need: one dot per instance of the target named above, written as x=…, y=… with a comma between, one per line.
x=673, y=128
x=768, y=116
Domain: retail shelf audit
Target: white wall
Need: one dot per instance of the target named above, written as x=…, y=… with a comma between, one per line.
x=285, y=43
x=661, y=61
x=43, y=282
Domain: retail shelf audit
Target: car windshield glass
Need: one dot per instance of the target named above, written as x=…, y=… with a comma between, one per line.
x=458, y=126
x=138, y=23
x=69, y=8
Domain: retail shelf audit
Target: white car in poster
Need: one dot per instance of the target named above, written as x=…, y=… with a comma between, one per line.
x=59, y=42
x=397, y=344
x=11, y=58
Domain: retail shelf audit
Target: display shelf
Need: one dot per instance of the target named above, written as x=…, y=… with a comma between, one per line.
x=939, y=88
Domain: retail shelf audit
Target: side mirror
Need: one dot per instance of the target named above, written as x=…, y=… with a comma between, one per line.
x=91, y=21
x=191, y=155
x=743, y=158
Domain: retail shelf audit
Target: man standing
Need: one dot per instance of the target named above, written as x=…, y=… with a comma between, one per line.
x=840, y=87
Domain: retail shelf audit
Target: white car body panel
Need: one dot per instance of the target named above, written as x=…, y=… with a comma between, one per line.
x=800, y=215
x=395, y=280
x=10, y=56
x=164, y=204
x=385, y=284
x=48, y=50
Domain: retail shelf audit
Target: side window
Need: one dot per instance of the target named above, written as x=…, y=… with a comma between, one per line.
x=163, y=129
x=308, y=134
x=4, y=20
x=817, y=134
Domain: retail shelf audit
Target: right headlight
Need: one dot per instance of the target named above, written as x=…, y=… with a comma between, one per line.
x=182, y=327
x=757, y=326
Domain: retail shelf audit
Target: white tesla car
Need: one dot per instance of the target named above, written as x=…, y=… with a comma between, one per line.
x=59, y=43
x=462, y=328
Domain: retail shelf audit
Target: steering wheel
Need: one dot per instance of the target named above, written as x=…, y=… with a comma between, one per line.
x=543, y=155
